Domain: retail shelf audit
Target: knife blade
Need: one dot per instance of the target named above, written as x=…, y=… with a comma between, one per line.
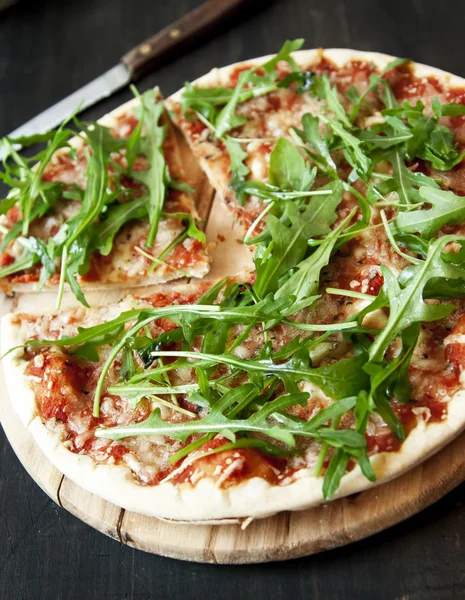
x=151, y=53
x=96, y=90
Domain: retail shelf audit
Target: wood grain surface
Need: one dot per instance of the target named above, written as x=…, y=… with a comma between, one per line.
x=47, y=50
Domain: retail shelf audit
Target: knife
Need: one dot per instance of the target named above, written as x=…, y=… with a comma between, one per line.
x=149, y=54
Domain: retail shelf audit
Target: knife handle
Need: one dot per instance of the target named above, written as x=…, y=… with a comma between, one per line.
x=174, y=38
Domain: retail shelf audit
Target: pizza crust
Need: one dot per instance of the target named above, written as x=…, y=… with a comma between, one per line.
x=254, y=498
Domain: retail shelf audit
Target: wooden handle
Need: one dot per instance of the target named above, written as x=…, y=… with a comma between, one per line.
x=171, y=40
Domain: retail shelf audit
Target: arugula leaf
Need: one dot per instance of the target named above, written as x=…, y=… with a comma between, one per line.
x=374, y=81
x=51, y=193
x=77, y=243
x=227, y=118
x=322, y=89
x=386, y=138
x=305, y=281
x=96, y=335
x=430, y=140
x=447, y=209
x=204, y=100
x=303, y=79
x=151, y=145
x=29, y=191
x=404, y=182
x=7, y=204
x=77, y=262
x=284, y=55
x=237, y=168
x=311, y=135
x=392, y=379
x=34, y=187
x=351, y=146
x=216, y=421
x=289, y=244
x=26, y=261
x=407, y=304
x=207, y=100
x=288, y=169
x=48, y=265
x=117, y=216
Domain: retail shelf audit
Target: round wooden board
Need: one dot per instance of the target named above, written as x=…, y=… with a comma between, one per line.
x=284, y=536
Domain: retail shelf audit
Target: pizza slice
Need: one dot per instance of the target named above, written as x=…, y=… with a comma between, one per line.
x=110, y=207
x=236, y=117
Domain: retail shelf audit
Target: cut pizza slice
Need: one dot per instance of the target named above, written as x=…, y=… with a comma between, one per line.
x=235, y=118
x=110, y=207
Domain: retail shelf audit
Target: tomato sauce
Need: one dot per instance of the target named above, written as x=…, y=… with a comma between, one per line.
x=231, y=467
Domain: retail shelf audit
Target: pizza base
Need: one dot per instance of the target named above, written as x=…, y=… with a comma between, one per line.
x=255, y=498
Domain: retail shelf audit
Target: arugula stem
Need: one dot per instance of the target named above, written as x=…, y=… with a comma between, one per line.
x=174, y=407
x=146, y=390
x=25, y=262
x=61, y=285
x=411, y=259
x=177, y=240
x=157, y=261
x=349, y=293
x=321, y=326
x=20, y=239
x=252, y=228
x=324, y=448
x=205, y=121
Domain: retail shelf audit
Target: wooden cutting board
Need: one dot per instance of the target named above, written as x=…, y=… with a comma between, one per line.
x=284, y=536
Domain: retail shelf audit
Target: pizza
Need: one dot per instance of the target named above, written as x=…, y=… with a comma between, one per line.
x=108, y=208
x=334, y=366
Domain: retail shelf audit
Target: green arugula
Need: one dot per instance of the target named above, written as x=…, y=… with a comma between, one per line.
x=305, y=281
x=430, y=140
x=288, y=169
x=391, y=379
x=289, y=238
x=76, y=248
x=375, y=80
x=217, y=422
x=446, y=209
x=237, y=168
x=117, y=216
x=341, y=379
x=310, y=134
x=102, y=214
x=207, y=101
x=151, y=146
x=407, y=304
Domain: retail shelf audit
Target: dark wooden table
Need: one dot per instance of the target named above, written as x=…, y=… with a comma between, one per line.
x=48, y=48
